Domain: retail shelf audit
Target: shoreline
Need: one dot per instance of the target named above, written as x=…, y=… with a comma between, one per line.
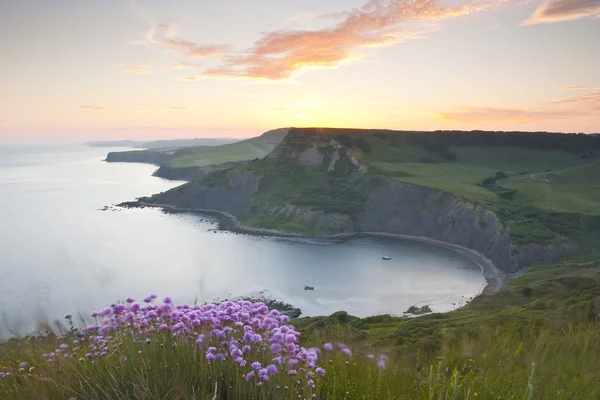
x=494, y=278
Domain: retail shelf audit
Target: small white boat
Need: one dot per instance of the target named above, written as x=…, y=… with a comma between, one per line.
x=387, y=258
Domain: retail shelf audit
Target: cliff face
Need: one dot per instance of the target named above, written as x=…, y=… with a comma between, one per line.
x=310, y=148
x=138, y=156
x=191, y=173
x=407, y=209
x=390, y=207
x=234, y=197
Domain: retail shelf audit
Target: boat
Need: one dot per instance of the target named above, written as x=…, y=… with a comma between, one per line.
x=384, y=256
x=309, y=288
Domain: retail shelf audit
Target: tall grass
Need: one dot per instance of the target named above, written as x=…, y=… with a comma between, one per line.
x=499, y=364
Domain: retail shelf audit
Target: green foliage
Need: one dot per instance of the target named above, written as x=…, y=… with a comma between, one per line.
x=257, y=147
x=312, y=187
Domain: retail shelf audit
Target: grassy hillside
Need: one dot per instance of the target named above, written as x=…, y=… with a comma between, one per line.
x=245, y=150
x=545, y=194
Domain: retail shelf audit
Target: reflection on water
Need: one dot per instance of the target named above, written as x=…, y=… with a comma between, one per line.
x=60, y=254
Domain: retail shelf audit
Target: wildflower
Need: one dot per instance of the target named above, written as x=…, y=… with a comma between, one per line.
x=320, y=371
x=23, y=365
x=272, y=369
x=371, y=357
x=291, y=338
x=263, y=374
x=64, y=346
x=210, y=356
x=311, y=383
x=255, y=365
x=292, y=372
x=275, y=347
x=249, y=375
x=129, y=300
x=381, y=365
x=259, y=384
x=328, y=346
x=347, y=351
x=167, y=300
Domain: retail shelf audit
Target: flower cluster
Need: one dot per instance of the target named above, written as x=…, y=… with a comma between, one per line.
x=228, y=332
x=257, y=340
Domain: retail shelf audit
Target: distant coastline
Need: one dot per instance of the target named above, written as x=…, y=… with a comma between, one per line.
x=227, y=222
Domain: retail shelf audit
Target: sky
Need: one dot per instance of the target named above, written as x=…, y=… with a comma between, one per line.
x=143, y=69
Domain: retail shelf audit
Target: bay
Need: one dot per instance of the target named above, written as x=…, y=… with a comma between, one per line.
x=60, y=254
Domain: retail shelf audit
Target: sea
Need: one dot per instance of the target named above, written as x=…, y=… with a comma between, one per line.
x=65, y=250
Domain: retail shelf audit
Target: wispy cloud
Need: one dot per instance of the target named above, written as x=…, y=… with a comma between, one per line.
x=140, y=69
x=183, y=65
x=169, y=108
x=566, y=108
x=164, y=34
x=100, y=109
x=564, y=10
x=280, y=54
x=580, y=88
x=492, y=114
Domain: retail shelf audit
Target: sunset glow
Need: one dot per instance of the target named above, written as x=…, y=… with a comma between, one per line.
x=158, y=69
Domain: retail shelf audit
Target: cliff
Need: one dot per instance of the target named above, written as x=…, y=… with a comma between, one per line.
x=138, y=156
x=190, y=173
x=312, y=183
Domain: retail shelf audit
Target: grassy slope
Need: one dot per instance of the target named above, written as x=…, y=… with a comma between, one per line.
x=245, y=150
x=540, y=211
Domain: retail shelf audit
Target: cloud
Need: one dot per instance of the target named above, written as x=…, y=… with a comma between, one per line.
x=140, y=69
x=491, y=114
x=586, y=101
x=170, y=108
x=567, y=108
x=564, y=10
x=99, y=109
x=183, y=65
x=280, y=54
x=166, y=37
x=580, y=88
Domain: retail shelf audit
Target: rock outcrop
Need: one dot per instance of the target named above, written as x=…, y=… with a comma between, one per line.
x=138, y=156
x=190, y=173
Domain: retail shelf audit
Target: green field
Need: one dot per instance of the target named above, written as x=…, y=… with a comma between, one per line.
x=241, y=151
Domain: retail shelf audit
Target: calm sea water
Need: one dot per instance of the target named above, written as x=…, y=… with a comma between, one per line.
x=60, y=254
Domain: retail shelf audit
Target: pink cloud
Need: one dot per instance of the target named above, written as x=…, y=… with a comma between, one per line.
x=567, y=108
x=167, y=38
x=564, y=10
x=280, y=54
